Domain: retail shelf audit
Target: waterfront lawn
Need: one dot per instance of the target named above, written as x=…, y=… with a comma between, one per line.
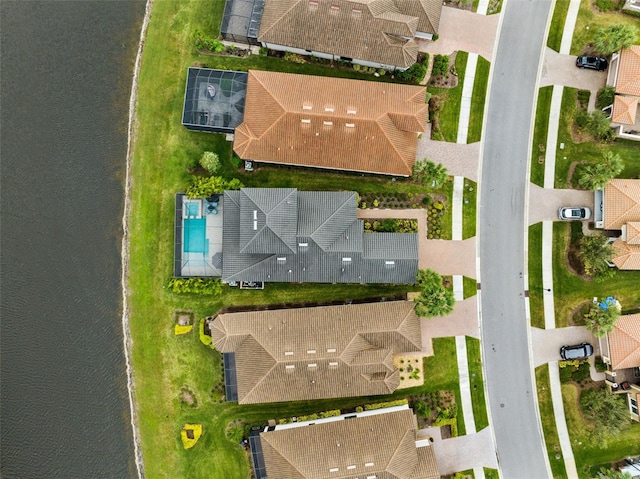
x=540, y=130
x=570, y=290
x=478, y=98
x=557, y=24
x=536, y=306
x=547, y=418
x=474, y=360
x=450, y=113
x=586, y=451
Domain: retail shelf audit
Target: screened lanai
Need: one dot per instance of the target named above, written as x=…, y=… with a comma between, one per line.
x=241, y=21
x=214, y=100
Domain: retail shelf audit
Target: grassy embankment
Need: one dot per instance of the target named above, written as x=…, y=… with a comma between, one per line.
x=163, y=363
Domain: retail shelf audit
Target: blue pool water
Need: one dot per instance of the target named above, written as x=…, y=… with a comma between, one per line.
x=195, y=239
x=193, y=209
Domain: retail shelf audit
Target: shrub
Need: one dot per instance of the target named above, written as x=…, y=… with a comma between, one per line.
x=594, y=176
x=203, y=187
x=583, y=98
x=294, y=57
x=614, y=38
x=382, y=72
x=235, y=434
x=435, y=37
x=599, y=126
x=381, y=405
x=415, y=73
x=607, y=5
x=356, y=67
x=359, y=409
x=605, y=97
x=421, y=409
x=263, y=51
x=205, y=338
x=440, y=65
x=235, y=161
x=210, y=161
x=204, y=42
x=581, y=118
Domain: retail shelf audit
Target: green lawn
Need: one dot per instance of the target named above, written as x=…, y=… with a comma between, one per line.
x=474, y=360
x=450, y=113
x=590, y=20
x=478, y=98
x=570, y=290
x=469, y=208
x=585, y=450
x=629, y=151
x=469, y=286
x=491, y=473
x=557, y=24
x=536, y=305
x=548, y=422
x=541, y=128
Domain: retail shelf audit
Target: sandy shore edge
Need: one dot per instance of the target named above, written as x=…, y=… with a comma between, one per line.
x=126, y=333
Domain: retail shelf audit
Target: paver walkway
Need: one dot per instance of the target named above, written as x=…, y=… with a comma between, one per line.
x=544, y=203
x=462, y=452
x=458, y=159
x=462, y=30
x=462, y=322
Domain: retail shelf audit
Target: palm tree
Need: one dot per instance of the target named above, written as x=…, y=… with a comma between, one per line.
x=614, y=38
x=595, y=254
x=434, y=299
x=596, y=176
x=429, y=172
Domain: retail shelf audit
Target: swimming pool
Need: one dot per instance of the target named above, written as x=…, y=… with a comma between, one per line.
x=195, y=237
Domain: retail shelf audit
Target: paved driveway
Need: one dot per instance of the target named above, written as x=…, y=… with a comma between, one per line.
x=463, y=452
x=463, y=321
x=465, y=31
x=545, y=203
x=547, y=342
x=458, y=159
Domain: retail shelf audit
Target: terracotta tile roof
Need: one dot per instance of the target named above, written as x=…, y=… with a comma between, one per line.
x=628, y=81
x=626, y=256
x=313, y=353
x=331, y=123
x=624, y=110
x=621, y=203
x=381, y=445
x=633, y=232
x=379, y=31
x=624, y=342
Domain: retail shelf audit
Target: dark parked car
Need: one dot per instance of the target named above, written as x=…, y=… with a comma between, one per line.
x=579, y=351
x=592, y=63
x=573, y=213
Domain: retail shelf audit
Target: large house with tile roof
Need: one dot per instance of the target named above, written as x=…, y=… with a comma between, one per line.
x=374, y=444
x=374, y=33
x=331, y=123
x=624, y=76
x=286, y=235
x=621, y=352
x=618, y=209
x=305, y=354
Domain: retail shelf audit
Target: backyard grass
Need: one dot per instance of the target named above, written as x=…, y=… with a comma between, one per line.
x=474, y=360
x=469, y=209
x=586, y=451
x=589, y=151
x=478, y=98
x=570, y=290
x=548, y=422
x=536, y=306
x=450, y=113
x=590, y=20
x=469, y=286
x=164, y=363
x=557, y=24
x=541, y=128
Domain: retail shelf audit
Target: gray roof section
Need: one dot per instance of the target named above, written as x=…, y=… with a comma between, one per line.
x=324, y=244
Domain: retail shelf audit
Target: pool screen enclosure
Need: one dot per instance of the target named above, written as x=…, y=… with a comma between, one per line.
x=241, y=21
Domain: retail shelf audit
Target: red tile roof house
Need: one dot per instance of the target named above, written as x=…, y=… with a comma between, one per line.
x=624, y=76
x=331, y=123
x=618, y=209
x=621, y=352
x=374, y=33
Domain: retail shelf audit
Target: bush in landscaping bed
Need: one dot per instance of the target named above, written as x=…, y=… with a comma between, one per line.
x=415, y=73
x=203, y=286
x=440, y=65
x=605, y=97
x=380, y=405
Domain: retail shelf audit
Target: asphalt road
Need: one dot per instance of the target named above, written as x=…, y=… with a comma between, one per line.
x=511, y=390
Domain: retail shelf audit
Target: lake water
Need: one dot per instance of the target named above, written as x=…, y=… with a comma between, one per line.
x=65, y=77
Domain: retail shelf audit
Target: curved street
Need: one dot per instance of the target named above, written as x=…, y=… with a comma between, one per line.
x=503, y=216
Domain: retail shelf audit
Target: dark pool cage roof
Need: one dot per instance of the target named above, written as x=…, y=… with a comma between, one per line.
x=241, y=21
x=214, y=99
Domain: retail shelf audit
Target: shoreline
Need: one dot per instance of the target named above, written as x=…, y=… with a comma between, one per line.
x=126, y=335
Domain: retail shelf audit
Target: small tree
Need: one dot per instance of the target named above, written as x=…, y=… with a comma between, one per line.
x=434, y=298
x=599, y=126
x=614, y=38
x=596, y=176
x=607, y=413
x=595, y=252
x=430, y=173
x=202, y=187
x=210, y=161
x=601, y=321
